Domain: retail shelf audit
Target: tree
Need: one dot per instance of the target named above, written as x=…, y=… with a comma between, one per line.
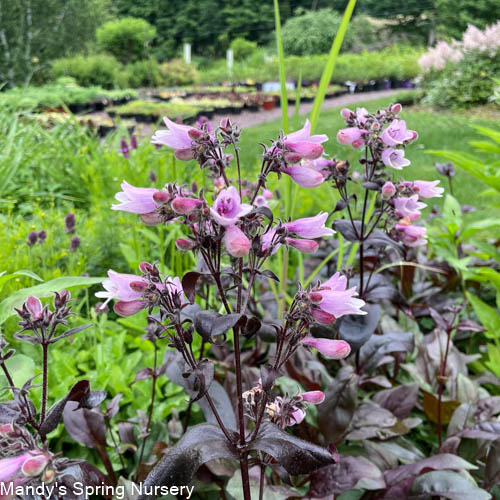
x=33, y=32
x=127, y=38
x=453, y=16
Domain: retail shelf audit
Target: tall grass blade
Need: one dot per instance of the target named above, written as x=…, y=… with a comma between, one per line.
x=330, y=65
x=281, y=58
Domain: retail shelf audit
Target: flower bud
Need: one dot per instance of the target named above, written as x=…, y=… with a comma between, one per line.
x=184, y=244
x=195, y=134
x=305, y=246
x=292, y=158
x=151, y=219
x=335, y=349
x=358, y=143
x=322, y=317
x=34, y=306
x=48, y=476
x=42, y=236
x=184, y=154
x=139, y=286
x=314, y=397
x=346, y=113
x=161, y=197
x=388, y=190
x=123, y=308
x=315, y=297
x=61, y=299
x=237, y=244
x=396, y=108
x=146, y=268
x=35, y=465
x=186, y=205
x=32, y=238
x=74, y=243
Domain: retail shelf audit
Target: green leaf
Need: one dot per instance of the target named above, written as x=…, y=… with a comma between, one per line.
x=46, y=289
x=20, y=367
x=330, y=64
x=488, y=132
x=7, y=277
x=488, y=316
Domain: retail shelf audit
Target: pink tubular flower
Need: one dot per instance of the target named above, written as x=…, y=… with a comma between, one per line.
x=395, y=158
x=135, y=200
x=260, y=201
x=388, y=190
x=310, y=227
x=351, y=136
x=304, y=246
x=334, y=349
x=11, y=467
x=228, y=208
x=185, y=206
x=409, y=207
x=397, y=133
x=118, y=286
x=303, y=143
x=268, y=194
x=313, y=397
x=178, y=137
x=237, y=244
x=412, y=236
x=333, y=298
x=304, y=176
x=428, y=189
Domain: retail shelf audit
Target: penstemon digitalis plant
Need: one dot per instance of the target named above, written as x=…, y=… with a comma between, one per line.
x=235, y=240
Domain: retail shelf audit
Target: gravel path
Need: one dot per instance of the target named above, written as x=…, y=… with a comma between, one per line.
x=249, y=119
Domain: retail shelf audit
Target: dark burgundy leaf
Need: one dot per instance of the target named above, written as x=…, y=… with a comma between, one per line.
x=126, y=433
x=85, y=426
x=200, y=444
x=92, y=399
x=79, y=391
x=371, y=186
x=357, y=329
x=438, y=319
x=224, y=323
x=252, y=326
x=336, y=412
x=347, y=474
x=483, y=430
x=189, y=281
x=267, y=332
x=113, y=406
x=379, y=288
x=84, y=474
x=400, y=400
x=203, y=323
x=268, y=375
x=143, y=374
x=443, y=461
x=467, y=325
x=341, y=204
x=269, y=274
x=346, y=229
x=266, y=212
x=446, y=484
x=492, y=471
x=380, y=345
x=295, y=455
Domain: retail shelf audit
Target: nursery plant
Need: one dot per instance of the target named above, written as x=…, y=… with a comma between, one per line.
x=232, y=352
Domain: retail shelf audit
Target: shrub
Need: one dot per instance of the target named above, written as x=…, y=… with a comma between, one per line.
x=462, y=73
x=98, y=69
x=127, y=39
x=243, y=48
x=467, y=83
x=177, y=72
x=144, y=73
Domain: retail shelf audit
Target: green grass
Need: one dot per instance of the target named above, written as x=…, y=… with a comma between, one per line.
x=437, y=130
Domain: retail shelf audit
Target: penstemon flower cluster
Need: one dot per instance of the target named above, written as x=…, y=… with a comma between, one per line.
x=234, y=234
